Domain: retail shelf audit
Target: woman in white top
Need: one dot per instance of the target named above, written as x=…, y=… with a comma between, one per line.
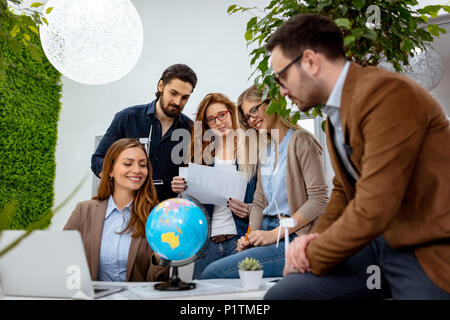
x=219, y=124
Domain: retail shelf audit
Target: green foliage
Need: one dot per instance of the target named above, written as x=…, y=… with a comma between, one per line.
x=7, y=215
x=16, y=32
x=29, y=108
x=249, y=264
x=371, y=29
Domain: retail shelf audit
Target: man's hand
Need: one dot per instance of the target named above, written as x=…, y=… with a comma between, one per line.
x=288, y=269
x=296, y=255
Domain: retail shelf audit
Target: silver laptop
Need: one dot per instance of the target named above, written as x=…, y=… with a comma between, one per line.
x=48, y=264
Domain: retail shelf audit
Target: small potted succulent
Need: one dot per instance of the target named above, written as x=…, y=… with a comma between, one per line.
x=251, y=273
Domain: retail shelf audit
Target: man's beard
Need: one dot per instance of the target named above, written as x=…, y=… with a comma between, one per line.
x=316, y=94
x=166, y=108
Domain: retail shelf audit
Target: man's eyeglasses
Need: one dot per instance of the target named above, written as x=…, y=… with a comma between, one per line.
x=221, y=116
x=276, y=76
x=252, y=114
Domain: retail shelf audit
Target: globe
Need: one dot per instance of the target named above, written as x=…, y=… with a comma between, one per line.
x=178, y=231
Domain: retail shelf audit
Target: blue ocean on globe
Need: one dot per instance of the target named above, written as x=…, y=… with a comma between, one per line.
x=176, y=229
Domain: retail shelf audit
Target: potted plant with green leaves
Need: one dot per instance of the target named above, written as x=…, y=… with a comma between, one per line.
x=251, y=273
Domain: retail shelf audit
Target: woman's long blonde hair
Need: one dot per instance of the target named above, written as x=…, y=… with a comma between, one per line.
x=254, y=95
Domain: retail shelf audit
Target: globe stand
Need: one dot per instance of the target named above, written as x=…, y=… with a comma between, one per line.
x=175, y=283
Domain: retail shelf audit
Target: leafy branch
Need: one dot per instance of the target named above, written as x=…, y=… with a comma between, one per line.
x=17, y=30
x=7, y=214
x=372, y=31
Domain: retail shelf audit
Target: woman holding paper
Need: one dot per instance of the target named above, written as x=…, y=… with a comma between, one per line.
x=112, y=224
x=218, y=118
x=291, y=183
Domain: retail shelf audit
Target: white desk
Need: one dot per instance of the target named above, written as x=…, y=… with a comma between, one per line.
x=218, y=289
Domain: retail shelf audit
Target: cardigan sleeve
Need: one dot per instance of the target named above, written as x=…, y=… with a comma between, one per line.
x=309, y=159
x=258, y=204
x=156, y=272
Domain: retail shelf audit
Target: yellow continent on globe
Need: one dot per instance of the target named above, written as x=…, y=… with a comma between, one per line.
x=171, y=239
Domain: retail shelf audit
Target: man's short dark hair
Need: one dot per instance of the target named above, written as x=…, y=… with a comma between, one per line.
x=308, y=31
x=178, y=71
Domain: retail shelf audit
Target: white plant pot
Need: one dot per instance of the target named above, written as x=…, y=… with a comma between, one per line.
x=251, y=280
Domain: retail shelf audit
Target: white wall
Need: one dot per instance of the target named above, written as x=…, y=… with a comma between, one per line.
x=199, y=33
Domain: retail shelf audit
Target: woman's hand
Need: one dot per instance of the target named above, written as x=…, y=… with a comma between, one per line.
x=242, y=244
x=263, y=237
x=178, y=184
x=240, y=209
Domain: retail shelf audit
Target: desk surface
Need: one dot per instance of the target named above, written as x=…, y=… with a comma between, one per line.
x=217, y=289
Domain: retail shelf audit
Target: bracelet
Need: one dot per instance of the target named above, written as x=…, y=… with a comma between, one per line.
x=249, y=207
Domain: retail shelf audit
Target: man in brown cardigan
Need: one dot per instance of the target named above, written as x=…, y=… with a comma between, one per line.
x=386, y=229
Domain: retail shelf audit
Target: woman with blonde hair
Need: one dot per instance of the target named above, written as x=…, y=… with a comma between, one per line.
x=216, y=143
x=112, y=224
x=291, y=182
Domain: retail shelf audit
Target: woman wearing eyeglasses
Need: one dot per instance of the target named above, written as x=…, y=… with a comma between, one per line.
x=290, y=181
x=219, y=120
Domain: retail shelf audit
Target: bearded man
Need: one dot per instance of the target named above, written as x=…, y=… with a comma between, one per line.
x=153, y=124
x=386, y=229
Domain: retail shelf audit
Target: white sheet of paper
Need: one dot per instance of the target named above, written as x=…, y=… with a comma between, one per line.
x=211, y=185
x=183, y=172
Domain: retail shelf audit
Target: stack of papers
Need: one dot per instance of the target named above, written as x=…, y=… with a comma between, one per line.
x=213, y=185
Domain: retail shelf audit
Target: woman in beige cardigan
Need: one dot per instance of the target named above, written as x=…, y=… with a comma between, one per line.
x=112, y=225
x=291, y=181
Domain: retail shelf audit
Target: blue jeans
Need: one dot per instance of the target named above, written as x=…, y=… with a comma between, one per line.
x=401, y=277
x=270, y=257
x=214, y=251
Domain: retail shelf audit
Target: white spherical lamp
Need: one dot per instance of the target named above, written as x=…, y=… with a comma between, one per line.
x=92, y=41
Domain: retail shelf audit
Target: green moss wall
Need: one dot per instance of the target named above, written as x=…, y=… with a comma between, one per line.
x=29, y=108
